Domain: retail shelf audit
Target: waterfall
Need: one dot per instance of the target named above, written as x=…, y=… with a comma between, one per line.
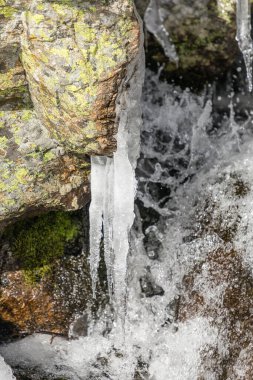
x=113, y=188
x=243, y=36
x=154, y=20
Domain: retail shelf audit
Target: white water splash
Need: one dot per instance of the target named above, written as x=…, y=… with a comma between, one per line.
x=243, y=36
x=5, y=371
x=154, y=20
x=113, y=188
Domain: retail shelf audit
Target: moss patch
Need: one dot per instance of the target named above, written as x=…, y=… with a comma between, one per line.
x=37, y=243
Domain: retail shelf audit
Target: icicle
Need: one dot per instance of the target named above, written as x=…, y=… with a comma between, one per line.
x=244, y=36
x=113, y=188
x=98, y=175
x=154, y=21
x=108, y=210
x=125, y=160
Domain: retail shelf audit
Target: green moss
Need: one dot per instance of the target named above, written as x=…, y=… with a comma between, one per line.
x=39, y=242
x=7, y=11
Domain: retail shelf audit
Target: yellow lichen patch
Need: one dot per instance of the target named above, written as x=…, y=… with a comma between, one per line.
x=85, y=32
x=7, y=11
x=37, y=18
x=62, y=9
x=27, y=115
x=226, y=9
x=21, y=175
x=48, y=156
x=12, y=78
x=41, y=7
x=3, y=142
x=61, y=52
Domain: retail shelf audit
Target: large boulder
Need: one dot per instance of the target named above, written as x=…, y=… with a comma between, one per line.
x=75, y=54
x=62, y=68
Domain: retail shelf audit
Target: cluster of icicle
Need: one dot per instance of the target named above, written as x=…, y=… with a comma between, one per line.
x=244, y=36
x=113, y=188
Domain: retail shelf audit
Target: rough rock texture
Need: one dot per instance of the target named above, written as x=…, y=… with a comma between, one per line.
x=203, y=33
x=220, y=287
x=75, y=54
x=35, y=172
x=62, y=64
x=44, y=277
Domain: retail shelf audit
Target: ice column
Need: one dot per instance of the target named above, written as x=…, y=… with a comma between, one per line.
x=98, y=177
x=113, y=188
x=243, y=35
x=154, y=20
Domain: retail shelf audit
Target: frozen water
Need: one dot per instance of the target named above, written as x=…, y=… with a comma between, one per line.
x=155, y=16
x=244, y=36
x=98, y=185
x=113, y=189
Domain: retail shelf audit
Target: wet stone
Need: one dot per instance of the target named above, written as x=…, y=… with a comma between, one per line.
x=149, y=288
x=152, y=244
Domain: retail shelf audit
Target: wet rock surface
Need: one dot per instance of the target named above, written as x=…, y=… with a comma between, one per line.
x=220, y=288
x=148, y=286
x=26, y=374
x=45, y=280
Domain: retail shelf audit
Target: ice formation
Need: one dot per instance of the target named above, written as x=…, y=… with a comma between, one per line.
x=5, y=371
x=154, y=18
x=243, y=36
x=113, y=188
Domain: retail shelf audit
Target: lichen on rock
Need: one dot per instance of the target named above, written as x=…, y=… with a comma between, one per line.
x=62, y=64
x=35, y=171
x=75, y=55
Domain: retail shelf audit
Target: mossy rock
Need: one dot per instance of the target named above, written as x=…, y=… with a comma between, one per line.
x=39, y=242
x=45, y=283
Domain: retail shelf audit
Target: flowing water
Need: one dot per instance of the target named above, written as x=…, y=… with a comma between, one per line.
x=190, y=153
x=194, y=200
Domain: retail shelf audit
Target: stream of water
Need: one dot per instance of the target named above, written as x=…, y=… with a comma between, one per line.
x=185, y=159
